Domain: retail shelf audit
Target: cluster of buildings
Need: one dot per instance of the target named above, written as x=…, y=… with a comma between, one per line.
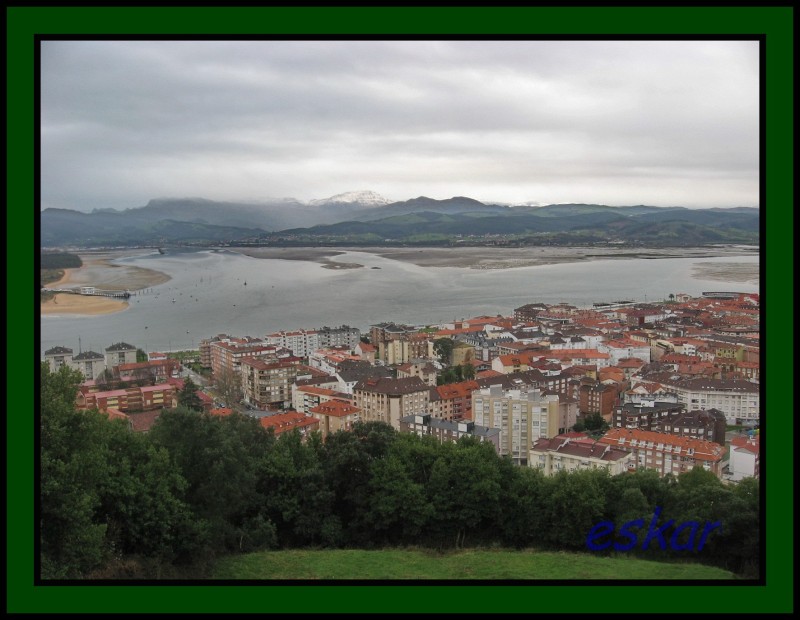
x=668, y=378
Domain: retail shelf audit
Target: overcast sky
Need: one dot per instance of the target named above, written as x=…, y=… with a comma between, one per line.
x=611, y=122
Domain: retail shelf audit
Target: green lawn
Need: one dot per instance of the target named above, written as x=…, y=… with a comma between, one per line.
x=467, y=564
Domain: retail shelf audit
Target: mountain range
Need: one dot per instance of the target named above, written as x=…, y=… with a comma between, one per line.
x=368, y=218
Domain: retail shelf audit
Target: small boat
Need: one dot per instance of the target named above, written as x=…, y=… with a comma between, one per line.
x=245, y=282
x=173, y=300
x=161, y=251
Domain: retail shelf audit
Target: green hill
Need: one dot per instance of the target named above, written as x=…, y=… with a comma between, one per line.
x=466, y=564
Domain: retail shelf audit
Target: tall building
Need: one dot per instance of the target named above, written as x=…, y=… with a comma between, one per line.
x=58, y=357
x=523, y=416
x=120, y=353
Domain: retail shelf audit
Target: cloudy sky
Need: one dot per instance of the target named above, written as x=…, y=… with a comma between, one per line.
x=614, y=122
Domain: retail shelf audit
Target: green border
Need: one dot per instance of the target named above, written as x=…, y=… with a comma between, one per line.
x=25, y=22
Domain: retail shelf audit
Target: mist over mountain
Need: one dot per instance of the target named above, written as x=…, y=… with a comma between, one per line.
x=367, y=217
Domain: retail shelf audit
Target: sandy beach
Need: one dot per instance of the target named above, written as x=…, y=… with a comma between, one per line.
x=98, y=271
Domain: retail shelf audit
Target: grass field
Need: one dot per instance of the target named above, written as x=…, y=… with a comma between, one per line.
x=468, y=564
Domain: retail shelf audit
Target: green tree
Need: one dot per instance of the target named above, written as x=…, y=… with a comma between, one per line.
x=188, y=397
x=443, y=348
x=465, y=489
x=141, y=356
x=220, y=458
x=398, y=509
x=468, y=372
x=71, y=465
x=582, y=496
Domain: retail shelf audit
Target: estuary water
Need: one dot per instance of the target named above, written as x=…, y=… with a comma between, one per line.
x=221, y=291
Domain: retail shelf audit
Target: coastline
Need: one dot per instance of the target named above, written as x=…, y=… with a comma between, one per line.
x=98, y=271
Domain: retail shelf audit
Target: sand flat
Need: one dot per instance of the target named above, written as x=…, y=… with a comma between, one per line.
x=69, y=303
x=98, y=271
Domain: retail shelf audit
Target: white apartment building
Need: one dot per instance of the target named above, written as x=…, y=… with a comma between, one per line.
x=739, y=400
x=523, y=416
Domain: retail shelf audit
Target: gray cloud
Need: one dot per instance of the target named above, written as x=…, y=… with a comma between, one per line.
x=620, y=122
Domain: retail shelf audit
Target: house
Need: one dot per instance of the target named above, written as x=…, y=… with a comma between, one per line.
x=744, y=457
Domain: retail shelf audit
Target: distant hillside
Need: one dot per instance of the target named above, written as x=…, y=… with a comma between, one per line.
x=364, y=218
x=561, y=224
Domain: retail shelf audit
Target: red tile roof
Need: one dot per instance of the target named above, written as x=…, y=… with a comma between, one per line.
x=336, y=408
x=636, y=438
x=284, y=422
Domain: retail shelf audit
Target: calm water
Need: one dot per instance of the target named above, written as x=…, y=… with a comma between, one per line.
x=211, y=296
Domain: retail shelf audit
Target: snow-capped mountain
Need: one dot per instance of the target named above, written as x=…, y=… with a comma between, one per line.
x=364, y=198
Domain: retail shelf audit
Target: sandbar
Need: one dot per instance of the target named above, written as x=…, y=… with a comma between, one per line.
x=487, y=257
x=98, y=271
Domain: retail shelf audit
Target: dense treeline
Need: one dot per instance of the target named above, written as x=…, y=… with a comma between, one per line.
x=115, y=503
x=60, y=260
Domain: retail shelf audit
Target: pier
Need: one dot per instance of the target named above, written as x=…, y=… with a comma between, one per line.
x=91, y=291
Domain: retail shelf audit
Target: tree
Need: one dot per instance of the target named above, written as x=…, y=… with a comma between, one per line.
x=188, y=397
x=443, y=347
x=71, y=465
x=468, y=372
x=229, y=386
x=141, y=356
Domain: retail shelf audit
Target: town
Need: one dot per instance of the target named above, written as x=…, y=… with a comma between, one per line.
x=666, y=386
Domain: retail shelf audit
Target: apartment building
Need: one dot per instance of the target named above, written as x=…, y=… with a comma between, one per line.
x=306, y=397
x=268, y=384
x=388, y=400
x=405, y=348
x=452, y=401
x=290, y=421
x=522, y=416
x=598, y=397
x=58, y=357
x=120, y=353
x=565, y=454
x=303, y=342
x=158, y=370
x=227, y=355
x=737, y=399
x=130, y=399
x=447, y=430
x=644, y=415
x=666, y=453
x=90, y=364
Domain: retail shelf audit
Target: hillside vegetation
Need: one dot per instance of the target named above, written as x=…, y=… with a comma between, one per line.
x=197, y=487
